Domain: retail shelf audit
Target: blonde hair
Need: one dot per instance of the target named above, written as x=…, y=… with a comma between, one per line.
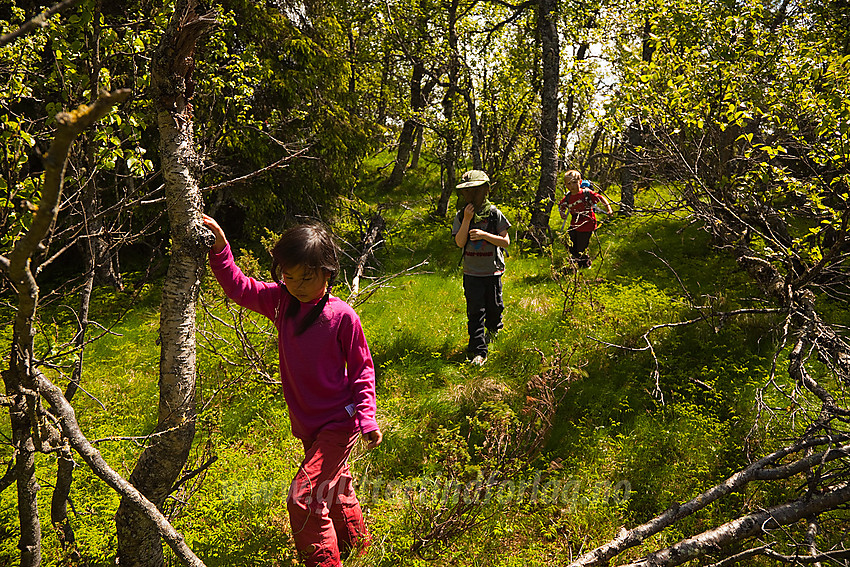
x=571, y=175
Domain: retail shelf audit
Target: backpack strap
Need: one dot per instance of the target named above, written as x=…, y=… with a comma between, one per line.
x=492, y=220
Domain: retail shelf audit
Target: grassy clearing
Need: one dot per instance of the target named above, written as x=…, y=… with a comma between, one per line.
x=623, y=446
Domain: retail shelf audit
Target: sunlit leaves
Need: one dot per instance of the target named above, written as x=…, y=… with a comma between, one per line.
x=746, y=100
x=18, y=133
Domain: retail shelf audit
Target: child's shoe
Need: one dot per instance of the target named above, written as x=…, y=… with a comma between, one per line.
x=478, y=360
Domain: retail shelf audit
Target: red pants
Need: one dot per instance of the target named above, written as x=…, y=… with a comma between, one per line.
x=323, y=510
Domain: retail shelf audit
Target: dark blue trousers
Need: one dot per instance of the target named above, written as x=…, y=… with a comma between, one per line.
x=484, y=308
x=580, y=241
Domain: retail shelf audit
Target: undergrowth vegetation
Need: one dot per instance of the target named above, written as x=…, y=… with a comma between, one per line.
x=571, y=430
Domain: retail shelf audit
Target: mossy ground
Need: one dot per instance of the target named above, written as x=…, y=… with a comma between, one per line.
x=625, y=444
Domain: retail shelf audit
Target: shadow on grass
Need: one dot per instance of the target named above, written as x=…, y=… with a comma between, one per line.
x=664, y=254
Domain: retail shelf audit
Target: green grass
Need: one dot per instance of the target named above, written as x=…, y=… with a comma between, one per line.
x=615, y=426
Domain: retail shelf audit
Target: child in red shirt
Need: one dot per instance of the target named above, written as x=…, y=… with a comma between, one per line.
x=580, y=203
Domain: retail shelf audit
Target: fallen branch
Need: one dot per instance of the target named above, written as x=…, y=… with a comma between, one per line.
x=93, y=458
x=809, y=559
x=758, y=470
x=372, y=241
x=746, y=527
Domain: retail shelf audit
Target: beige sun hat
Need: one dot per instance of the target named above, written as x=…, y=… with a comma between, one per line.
x=473, y=178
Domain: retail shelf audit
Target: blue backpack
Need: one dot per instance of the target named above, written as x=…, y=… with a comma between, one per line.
x=587, y=195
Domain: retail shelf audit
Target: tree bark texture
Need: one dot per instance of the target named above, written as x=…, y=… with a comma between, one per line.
x=377, y=224
x=408, y=131
x=30, y=541
x=59, y=500
x=416, y=154
x=448, y=160
x=450, y=157
x=630, y=170
x=405, y=146
x=545, y=198
x=161, y=462
x=509, y=147
x=19, y=379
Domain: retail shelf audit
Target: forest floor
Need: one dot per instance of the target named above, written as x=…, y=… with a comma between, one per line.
x=572, y=429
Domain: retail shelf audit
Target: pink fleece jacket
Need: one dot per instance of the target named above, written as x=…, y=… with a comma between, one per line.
x=327, y=372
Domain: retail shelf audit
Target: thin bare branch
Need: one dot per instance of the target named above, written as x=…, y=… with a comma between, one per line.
x=92, y=457
x=37, y=22
x=193, y=473
x=626, y=539
x=279, y=164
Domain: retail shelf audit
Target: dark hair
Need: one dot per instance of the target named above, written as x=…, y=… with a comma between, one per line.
x=311, y=246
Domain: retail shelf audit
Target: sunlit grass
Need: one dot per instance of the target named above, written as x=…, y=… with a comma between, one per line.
x=617, y=423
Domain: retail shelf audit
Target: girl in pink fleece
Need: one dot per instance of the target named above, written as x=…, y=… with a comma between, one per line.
x=328, y=381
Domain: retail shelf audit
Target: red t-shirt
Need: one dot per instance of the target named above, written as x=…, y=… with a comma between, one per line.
x=580, y=206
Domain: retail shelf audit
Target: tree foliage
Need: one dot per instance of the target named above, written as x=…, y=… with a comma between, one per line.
x=739, y=110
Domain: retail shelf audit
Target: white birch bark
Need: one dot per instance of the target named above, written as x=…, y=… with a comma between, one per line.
x=159, y=466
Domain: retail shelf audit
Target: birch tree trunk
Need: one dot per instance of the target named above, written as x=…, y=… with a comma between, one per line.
x=407, y=137
x=451, y=135
x=545, y=197
x=160, y=464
